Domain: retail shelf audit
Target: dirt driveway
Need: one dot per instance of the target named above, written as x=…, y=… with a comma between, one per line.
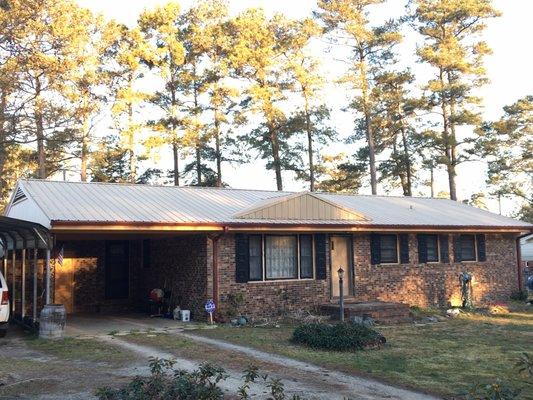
x=109, y=350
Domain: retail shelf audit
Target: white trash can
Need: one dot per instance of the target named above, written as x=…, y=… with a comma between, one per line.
x=185, y=315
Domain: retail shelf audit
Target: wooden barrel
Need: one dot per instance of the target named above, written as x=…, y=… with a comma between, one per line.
x=52, y=321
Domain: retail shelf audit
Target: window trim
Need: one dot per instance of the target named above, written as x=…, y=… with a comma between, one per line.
x=398, y=261
x=298, y=255
x=476, y=258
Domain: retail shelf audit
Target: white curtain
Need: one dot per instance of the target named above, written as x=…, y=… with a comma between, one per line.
x=280, y=257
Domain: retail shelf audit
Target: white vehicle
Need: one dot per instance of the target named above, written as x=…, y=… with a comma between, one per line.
x=4, y=306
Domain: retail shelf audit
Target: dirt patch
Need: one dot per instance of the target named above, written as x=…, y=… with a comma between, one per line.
x=70, y=368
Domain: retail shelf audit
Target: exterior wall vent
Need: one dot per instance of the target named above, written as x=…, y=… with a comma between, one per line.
x=19, y=196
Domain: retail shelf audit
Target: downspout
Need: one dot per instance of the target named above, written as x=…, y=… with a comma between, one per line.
x=519, y=259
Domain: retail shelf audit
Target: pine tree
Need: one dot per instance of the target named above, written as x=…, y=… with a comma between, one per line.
x=259, y=43
x=347, y=22
x=166, y=55
x=312, y=117
x=129, y=52
x=45, y=41
x=450, y=30
x=507, y=147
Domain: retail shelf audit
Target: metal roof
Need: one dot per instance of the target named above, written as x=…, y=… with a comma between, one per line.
x=128, y=203
x=20, y=234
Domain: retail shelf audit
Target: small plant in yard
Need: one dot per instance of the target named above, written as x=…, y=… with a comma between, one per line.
x=498, y=390
x=166, y=383
x=339, y=337
x=525, y=365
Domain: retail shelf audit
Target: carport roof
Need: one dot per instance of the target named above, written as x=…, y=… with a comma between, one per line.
x=20, y=234
x=76, y=202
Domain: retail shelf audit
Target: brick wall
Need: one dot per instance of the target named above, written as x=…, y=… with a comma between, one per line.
x=436, y=284
x=265, y=299
x=177, y=264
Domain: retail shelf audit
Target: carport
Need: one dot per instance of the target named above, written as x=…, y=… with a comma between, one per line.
x=26, y=248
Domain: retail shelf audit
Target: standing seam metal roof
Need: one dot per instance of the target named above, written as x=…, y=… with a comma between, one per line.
x=104, y=202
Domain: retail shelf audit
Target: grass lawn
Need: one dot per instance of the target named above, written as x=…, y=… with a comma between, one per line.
x=79, y=349
x=444, y=358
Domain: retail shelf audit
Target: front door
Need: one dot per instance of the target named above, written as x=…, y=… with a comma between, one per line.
x=117, y=270
x=341, y=255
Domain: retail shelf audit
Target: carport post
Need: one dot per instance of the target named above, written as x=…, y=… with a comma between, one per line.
x=34, y=304
x=23, y=285
x=47, y=267
x=13, y=262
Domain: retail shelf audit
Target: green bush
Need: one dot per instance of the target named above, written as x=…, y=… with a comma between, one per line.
x=167, y=383
x=339, y=337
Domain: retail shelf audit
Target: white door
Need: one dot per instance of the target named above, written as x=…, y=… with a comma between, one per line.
x=340, y=257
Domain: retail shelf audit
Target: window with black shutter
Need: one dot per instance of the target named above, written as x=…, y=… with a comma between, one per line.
x=481, y=250
x=432, y=248
x=444, y=249
x=275, y=257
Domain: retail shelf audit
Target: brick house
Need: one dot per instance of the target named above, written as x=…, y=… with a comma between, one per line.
x=280, y=250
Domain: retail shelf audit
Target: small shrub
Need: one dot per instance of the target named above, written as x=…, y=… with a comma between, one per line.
x=167, y=383
x=498, y=390
x=519, y=295
x=339, y=337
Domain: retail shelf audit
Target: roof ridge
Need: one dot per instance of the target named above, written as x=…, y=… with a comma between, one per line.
x=153, y=185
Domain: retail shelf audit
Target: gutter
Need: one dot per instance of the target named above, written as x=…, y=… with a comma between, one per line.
x=110, y=226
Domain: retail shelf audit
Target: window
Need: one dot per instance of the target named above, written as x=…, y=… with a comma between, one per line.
x=432, y=248
x=256, y=258
x=272, y=257
x=281, y=257
x=389, y=249
x=468, y=248
x=306, y=256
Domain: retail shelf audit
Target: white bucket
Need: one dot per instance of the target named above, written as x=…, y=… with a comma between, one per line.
x=185, y=315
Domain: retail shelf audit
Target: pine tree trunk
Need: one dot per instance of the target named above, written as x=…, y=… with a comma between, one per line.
x=198, y=139
x=432, y=181
x=218, y=153
x=309, y=145
x=450, y=167
x=131, y=145
x=39, y=131
x=368, y=127
x=275, y=155
x=84, y=155
x=176, y=170
x=408, y=191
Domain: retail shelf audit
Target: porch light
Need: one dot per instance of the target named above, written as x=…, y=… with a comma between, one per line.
x=340, y=271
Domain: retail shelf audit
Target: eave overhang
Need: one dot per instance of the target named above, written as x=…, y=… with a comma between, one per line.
x=154, y=227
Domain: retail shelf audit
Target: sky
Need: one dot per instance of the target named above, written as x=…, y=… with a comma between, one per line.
x=509, y=70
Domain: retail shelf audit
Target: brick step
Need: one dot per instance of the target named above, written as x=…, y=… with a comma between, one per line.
x=387, y=313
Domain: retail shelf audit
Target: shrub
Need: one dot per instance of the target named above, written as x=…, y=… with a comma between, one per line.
x=519, y=295
x=166, y=383
x=339, y=337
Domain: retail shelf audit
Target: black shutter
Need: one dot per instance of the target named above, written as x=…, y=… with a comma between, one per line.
x=320, y=256
x=422, y=249
x=457, y=248
x=404, y=248
x=242, y=258
x=375, y=249
x=481, y=250
x=444, y=249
